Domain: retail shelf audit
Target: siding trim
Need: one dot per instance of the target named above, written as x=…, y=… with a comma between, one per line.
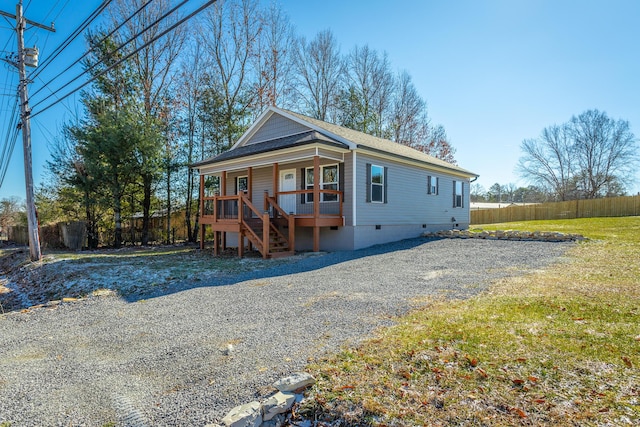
x=354, y=180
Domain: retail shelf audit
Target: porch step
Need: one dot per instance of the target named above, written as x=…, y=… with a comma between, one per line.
x=278, y=247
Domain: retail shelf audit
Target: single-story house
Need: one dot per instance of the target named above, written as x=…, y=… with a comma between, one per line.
x=292, y=182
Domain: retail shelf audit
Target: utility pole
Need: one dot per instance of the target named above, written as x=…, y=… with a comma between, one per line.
x=25, y=125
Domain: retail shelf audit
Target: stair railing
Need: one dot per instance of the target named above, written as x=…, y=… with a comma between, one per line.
x=270, y=202
x=261, y=243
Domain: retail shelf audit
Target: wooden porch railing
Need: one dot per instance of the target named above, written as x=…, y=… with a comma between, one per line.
x=236, y=213
x=327, y=205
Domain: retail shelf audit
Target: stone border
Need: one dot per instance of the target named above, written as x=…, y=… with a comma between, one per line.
x=542, y=236
x=270, y=412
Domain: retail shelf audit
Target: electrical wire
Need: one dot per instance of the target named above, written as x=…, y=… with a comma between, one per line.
x=102, y=40
x=129, y=55
x=45, y=63
x=9, y=142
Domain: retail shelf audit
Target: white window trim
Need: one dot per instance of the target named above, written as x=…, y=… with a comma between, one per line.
x=381, y=184
x=337, y=183
x=238, y=182
x=461, y=194
x=430, y=179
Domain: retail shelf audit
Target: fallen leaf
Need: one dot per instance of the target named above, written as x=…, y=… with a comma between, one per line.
x=521, y=359
x=520, y=412
x=518, y=381
x=482, y=372
x=532, y=378
x=627, y=361
x=472, y=361
x=539, y=401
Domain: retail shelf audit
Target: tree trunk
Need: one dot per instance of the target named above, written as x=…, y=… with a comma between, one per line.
x=188, y=207
x=117, y=218
x=92, y=235
x=147, y=180
x=168, y=241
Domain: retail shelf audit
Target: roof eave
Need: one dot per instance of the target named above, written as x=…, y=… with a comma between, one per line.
x=452, y=168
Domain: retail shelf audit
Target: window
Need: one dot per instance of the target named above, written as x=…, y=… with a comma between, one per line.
x=328, y=181
x=432, y=185
x=377, y=184
x=242, y=184
x=457, y=194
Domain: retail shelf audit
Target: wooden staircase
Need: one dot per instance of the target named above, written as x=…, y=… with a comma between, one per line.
x=261, y=230
x=278, y=245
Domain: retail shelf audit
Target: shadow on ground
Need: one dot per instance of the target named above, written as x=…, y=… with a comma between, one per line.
x=145, y=273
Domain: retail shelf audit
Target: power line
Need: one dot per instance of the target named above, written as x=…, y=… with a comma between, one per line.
x=163, y=33
x=9, y=142
x=112, y=52
x=87, y=52
x=70, y=38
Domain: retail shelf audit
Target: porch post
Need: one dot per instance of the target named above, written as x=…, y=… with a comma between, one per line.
x=276, y=177
x=250, y=184
x=316, y=203
x=202, y=226
x=223, y=192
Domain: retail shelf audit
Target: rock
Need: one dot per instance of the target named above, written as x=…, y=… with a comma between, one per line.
x=247, y=415
x=294, y=382
x=277, y=421
x=277, y=404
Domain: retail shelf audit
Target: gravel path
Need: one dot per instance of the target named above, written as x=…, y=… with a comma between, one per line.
x=165, y=360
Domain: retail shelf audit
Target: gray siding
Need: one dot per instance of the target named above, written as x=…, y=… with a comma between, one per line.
x=407, y=200
x=330, y=240
x=276, y=126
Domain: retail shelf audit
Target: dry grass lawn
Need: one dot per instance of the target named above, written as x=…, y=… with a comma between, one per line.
x=558, y=347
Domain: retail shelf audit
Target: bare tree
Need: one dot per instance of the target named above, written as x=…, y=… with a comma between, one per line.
x=549, y=160
x=230, y=32
x=192, y=80
x=273, y=61
x=319, y=67
x=409, y=124
x=367, y=100
x=605, y=152
x=439, y=146
x=477, y=193
x=590, y=156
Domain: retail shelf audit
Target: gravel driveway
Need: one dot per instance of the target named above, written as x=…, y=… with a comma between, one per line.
x=164, y=360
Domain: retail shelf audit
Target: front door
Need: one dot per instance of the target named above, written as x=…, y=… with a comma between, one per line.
x=288, y=183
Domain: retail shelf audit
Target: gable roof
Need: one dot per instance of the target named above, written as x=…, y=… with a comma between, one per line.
x=328, y=133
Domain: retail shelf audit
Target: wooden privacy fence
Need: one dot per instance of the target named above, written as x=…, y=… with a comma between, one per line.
x=71, y=235
x=587, y=208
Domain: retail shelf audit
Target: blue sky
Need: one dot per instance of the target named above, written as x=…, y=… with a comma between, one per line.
x=493, y=72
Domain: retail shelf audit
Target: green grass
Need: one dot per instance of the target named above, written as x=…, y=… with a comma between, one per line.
x=558, y=347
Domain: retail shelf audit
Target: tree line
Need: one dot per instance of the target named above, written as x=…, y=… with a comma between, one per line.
x=192, y=93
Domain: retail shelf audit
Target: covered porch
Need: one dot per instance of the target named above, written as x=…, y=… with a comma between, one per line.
x=263, y=204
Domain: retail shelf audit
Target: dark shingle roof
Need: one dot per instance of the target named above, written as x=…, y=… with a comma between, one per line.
x=275, y=144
